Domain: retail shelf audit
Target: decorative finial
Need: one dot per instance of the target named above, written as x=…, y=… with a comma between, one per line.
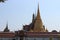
x=7, y=24
x=38, y=13
x=38, y=5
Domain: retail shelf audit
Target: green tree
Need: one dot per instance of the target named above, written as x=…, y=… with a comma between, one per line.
x=2, y=0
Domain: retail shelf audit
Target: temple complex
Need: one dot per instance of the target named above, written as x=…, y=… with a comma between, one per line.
x=34, y=31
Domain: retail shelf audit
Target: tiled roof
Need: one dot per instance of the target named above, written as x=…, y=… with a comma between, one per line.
x=7, y=35
x=29, y=34
x=42, y=34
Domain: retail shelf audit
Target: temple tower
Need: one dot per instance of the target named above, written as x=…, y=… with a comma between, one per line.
x=38, y=25
x=6, y=29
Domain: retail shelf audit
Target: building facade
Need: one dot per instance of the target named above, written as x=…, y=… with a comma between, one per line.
x=34, y=31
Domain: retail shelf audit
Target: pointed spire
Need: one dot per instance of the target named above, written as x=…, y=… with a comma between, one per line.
x=33, y=17
x=6, y=29
x=38, y=13
x=38, y=25
x=7, y=25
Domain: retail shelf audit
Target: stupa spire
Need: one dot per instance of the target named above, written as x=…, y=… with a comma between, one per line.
x=38, y=13
x=6, y=29
x=38, y=25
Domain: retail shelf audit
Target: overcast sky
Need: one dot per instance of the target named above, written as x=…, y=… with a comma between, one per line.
x=19, y=13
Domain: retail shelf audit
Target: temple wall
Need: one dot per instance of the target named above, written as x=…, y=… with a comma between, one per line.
x=37, y=38
x=18, y=38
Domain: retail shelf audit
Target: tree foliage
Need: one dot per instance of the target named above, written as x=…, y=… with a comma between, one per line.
x=2, y=0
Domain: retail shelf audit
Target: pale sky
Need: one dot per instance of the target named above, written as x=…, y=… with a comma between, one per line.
x=19, y=13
